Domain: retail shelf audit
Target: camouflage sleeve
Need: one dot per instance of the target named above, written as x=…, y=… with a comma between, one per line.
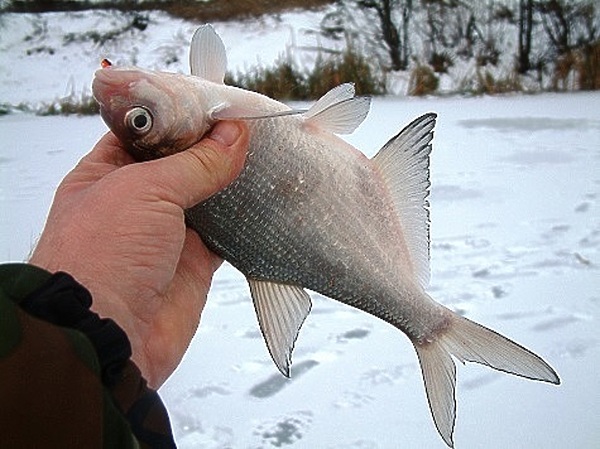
x=66, y=377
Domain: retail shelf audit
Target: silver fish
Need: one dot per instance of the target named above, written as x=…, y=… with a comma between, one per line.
x=309, y=211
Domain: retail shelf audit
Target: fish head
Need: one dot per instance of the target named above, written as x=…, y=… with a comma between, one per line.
x=153, y=114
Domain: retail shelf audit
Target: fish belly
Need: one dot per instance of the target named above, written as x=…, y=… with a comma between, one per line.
x=312, y=211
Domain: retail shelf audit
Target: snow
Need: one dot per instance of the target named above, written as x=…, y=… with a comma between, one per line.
x=44, y=57
x=515, y=211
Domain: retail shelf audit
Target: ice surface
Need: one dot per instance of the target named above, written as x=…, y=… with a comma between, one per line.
x=515, y=246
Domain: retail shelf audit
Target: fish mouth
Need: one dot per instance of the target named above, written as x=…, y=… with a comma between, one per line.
x=103, y=85
x=110, y=82
x=106, y=89
x=107, y=83
x=110, y=88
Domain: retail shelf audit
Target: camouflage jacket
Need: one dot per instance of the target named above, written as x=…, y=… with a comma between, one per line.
x=66, y=377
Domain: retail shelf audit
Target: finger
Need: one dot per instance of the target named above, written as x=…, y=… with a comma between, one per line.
x=108, y=150
x=107, y=156
x=191, y=176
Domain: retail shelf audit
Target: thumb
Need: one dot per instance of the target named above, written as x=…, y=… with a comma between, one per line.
x=193, y=175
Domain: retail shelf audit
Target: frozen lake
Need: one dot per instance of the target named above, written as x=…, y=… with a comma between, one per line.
x=515, y=210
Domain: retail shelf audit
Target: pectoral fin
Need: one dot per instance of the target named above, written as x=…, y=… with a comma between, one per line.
x=336, y=95
x=339, y=111
x=281, y=309
x=247, y=112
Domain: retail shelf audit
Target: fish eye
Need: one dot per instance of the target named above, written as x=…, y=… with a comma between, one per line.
x=139, y=120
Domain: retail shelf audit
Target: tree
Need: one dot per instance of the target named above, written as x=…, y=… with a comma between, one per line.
x=525, y=31
x=398, y=48
x=571, y=27
x=555, y=16
x=386, y=21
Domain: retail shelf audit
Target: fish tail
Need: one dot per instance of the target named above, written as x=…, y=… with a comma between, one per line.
x=470, y=342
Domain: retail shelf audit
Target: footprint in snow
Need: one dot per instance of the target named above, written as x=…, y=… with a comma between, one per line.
x=359, y=444
x=386, y=376
x=284, y=431
x=277, y=382
x=353, y=399
x=353, y=334
x=575, y=348
x=556, y=323
x=481, y=381
x=209, y=390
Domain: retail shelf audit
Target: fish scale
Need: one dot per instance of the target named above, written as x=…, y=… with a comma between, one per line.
x=280, y=249
x=309, y=211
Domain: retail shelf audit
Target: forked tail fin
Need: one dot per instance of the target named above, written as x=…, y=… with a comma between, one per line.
x=470, y=342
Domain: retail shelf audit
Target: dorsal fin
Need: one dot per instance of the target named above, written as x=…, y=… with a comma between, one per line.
x=208, y=58
x=339, y=111
x=404, y=165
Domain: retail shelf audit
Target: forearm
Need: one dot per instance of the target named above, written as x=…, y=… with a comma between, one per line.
x=66, y=375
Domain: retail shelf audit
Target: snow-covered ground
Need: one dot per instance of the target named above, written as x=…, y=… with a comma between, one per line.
x=44, y=57
x=515, y=246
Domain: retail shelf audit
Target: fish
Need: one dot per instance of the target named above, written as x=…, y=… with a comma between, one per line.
x=311, y=212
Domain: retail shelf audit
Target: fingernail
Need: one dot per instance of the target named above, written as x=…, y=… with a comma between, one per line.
x=226, y=133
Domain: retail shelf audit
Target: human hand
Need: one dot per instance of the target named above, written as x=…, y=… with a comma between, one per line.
x=119, y=229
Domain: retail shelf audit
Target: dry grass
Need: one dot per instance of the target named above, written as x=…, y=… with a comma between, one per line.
x=285, y=81
x=423, y=81
x=349, y=67
x=83, y=104
x=203, y=11
x=493, y=85
x=223, y=10
x=578, y=68
x=589, y=70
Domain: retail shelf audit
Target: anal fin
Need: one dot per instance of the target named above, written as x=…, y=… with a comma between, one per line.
x=281, y=309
